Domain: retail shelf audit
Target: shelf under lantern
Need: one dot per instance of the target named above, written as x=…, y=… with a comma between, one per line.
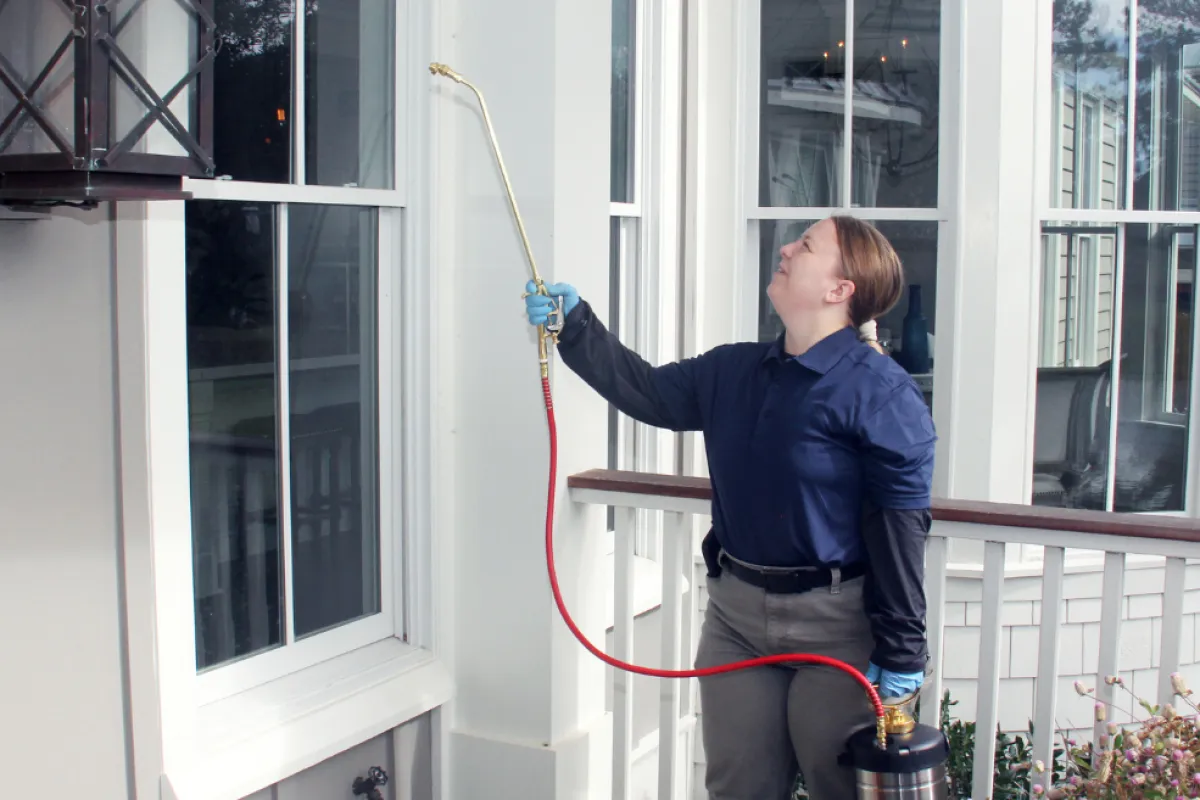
x=104, y=99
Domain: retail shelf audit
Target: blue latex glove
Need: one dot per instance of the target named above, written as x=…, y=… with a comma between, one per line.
x=539, y=306
x=894, y=684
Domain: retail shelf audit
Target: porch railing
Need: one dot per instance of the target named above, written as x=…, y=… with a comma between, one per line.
x=992, y=526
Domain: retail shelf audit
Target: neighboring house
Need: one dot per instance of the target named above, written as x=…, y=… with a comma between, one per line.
x=275, y=454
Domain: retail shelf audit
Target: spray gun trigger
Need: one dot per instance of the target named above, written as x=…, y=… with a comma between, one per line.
x=554, y=322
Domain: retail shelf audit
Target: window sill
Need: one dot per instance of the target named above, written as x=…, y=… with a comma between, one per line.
x=259, y=737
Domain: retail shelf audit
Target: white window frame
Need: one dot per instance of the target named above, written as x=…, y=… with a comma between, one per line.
x=1048, y=176
x=246, y=725
x=750, y=214
x=648, y=261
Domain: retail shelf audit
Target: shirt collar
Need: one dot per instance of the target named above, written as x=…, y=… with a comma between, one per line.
x=822, y=356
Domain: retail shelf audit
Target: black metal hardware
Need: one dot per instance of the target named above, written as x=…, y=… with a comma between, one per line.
x=369, y=785
x=73, y=130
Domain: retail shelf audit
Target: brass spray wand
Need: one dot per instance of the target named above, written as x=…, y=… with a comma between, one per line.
x=886, y=721
x=549, y=331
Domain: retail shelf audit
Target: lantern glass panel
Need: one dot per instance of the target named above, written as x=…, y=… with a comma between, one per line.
x=36, y=59
x=157, y=46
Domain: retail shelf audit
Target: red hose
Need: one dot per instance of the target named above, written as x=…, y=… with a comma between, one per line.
x=787, y=658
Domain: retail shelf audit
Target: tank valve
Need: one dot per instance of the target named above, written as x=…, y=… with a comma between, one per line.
x=901, y=758
x=369, y=785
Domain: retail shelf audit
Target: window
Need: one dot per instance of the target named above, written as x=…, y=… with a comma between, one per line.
x=846, y=99
x=292, y=538
x=318, y=113
x=1118, y=267
x=630, y=443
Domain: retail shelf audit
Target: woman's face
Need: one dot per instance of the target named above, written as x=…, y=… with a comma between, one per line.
x=807, y=278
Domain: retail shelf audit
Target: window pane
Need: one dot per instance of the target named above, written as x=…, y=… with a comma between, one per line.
x=803, y=101
x=350, y=93
x=1155, y=375
x=1167, y=140
x=1074, y=366
x=1090, y=88
x=624, y=72
x=252, y=90
x=332, y=375
x=897, y=65
x=232, y=400
x=916, y=244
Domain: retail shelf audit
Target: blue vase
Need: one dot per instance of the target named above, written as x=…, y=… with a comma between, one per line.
x=915, y=337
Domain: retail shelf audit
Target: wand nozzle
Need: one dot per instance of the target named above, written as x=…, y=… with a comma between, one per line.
x=446, y=72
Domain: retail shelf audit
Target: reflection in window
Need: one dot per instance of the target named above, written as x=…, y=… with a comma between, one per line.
x=252, y=90
x=1075, y=427
x=1075, y=351
x=895, y=105
x=232, y=401
x=1089, y=89
x=349, y=97
x=236, y=393
x=333, y=423
x=915, y=243
x=1152, y=419
x=349, y=94
x=624, y=98
x=1167, y=114
x=897, y=66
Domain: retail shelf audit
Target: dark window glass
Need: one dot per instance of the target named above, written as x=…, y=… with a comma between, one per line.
x=897, y=69
x=252, y=84
x=624, y=76
x=332, y=390
x=350, y=93
x=231, y=336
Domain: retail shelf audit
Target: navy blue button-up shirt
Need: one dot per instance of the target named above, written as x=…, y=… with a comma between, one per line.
x=818, y=460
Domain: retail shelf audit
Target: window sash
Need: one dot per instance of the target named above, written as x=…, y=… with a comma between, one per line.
x=290, y=655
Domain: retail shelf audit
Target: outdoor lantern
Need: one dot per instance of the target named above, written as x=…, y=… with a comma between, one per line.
x=104, y=99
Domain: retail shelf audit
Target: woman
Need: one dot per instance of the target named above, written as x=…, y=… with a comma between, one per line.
x=820, y=452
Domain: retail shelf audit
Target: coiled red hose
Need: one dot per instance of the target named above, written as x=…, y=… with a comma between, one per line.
x=787, y=658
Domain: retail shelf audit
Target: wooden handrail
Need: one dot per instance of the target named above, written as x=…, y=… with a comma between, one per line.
x=1011, y=515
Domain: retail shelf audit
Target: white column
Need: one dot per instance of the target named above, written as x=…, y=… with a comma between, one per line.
x=528, y=718
x=59, y=575
x=989, y=292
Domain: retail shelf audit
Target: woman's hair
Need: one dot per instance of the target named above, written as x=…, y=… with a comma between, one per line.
x=870, y=263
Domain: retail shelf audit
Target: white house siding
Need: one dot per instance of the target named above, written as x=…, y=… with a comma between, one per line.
x=404, y=753
x=63, y=714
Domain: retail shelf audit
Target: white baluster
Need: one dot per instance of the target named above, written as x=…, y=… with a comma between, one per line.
x=1047, y=672
x=1172, y=627
x=1112, y=602
x=937, y=550
x=987, y=709
x=674, y=532
x=623, y=649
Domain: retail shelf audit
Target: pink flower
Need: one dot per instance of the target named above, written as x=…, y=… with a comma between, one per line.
x=1038, y=789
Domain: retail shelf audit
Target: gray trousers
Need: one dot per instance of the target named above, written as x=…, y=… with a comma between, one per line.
x=760, y=724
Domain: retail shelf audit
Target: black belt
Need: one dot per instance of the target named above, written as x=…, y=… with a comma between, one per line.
x=791, y=581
